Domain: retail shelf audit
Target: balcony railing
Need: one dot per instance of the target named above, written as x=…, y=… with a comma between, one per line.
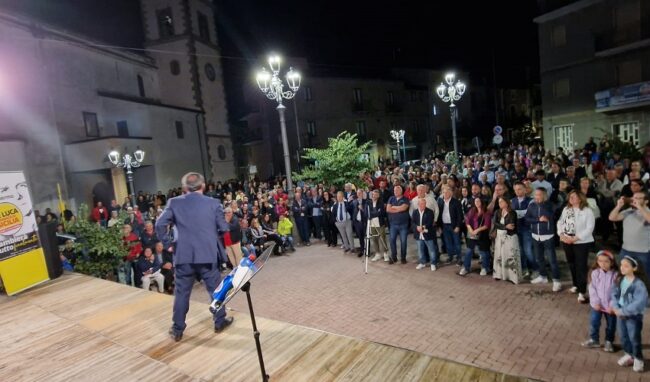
x=621, y=36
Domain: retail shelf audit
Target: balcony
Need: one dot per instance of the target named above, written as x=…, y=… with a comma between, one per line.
x=91, y=154
x=622, y=39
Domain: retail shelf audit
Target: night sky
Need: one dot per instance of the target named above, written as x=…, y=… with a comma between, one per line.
x=360, y=35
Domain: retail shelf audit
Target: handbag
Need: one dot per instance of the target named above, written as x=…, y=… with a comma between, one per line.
x=476, y=237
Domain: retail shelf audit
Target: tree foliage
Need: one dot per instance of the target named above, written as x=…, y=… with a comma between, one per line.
x=102, y=248
x=343, y=161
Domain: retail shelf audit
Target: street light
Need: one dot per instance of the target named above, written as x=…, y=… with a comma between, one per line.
x=272, y=86
x=398, y=135
x=450, y=93
x=127, y=162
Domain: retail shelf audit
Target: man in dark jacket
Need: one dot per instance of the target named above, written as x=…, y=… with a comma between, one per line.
x=422, y=221
x=360, y=219
x=199, y=221
x=539, y=216
x=299, y=209
x=451, y=220
x=166, y=259
x=315, y=212
x=149, y=268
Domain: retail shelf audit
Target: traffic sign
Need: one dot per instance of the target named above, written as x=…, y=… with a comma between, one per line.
x=497, y=139
x=497, y=130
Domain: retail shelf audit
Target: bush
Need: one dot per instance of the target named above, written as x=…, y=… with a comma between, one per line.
x=102, y=248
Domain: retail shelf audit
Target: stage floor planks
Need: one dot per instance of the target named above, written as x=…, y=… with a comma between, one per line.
x=78, y=328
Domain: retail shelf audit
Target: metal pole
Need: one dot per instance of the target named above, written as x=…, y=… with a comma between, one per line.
x=404, y=147
x=295, y=114
x=285, y=148
x=453, y=127
x=256, y=333
x=399, y=154
x=129, y=178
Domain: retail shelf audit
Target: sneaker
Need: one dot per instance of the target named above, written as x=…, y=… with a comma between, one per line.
x=420, y=266
x=609, y=347
x=377, y=257
x=581, y=298
x=433, y=267
x=463, y=272
x=638, y=365
x=539, y=280
x=573, y=290
x=590, y=344
x=526, y=274
x=483, y=272
x=626, y=360
x=386, y=257
x=403, y=261
x=557, y=286
x=534, y=275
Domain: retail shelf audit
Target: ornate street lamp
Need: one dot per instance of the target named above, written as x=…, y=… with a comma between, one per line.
x=128, y=163
x=450, y=93
x=398, y=135
x=273, y=87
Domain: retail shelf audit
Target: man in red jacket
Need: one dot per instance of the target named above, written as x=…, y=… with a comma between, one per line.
x=100, y=214
x=131, y=240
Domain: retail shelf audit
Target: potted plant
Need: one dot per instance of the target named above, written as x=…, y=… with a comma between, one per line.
x=102, y=248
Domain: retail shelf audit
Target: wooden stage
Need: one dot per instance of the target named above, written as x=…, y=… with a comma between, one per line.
x=79, y=328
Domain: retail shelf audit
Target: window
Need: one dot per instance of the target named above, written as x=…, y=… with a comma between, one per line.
x=311, y=128
x=358, y=96
x=122, y=129
x=361, y=128
x=141, y=86
x=90, y=123
x=209, y=72
x=165, y=22
x=391, y=98
x=628, y=72
x=513, y=111
x=204, y=28
x=558, y=36
x=627, y=132
x=393, y=126
x=180, y=134
x=308, y=93
x=561, y=88
x=414, y=96
x=564, y=137
x=221, y=152
x=174, y=67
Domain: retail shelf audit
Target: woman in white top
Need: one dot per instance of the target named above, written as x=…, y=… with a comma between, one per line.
x=575, y=228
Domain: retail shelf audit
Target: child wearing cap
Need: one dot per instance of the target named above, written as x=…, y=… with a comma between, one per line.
x=601, y=278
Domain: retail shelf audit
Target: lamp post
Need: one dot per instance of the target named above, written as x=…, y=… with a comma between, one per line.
x=450, y=93
x=272, y=86
x=398, y=135
x=128, y=163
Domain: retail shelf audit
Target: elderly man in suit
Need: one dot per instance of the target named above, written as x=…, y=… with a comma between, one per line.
x=200, y=221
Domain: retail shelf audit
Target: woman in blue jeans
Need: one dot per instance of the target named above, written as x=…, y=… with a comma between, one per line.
x=478, y=227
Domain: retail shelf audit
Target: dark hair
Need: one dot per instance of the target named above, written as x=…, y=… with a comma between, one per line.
x=594, y=266
x=639, y=272
x=540, y=172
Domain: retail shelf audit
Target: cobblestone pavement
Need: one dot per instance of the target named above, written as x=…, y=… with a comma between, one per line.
x=521, y=329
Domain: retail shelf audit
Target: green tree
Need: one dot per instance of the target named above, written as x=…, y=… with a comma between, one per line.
x=103, y=248
x=343, y=161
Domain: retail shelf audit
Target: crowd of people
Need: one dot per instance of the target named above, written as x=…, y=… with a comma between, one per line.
x=513, y=207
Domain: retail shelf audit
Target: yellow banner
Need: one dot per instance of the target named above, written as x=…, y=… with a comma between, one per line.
x=22, y=261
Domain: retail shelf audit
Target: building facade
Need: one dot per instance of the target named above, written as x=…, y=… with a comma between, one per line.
x=329, y=104
x=595, y=71
x=67, y=100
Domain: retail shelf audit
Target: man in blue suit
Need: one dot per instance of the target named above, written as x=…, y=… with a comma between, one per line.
x=199, y=221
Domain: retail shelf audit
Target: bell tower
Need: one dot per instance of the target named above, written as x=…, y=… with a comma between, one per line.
x=181, y=35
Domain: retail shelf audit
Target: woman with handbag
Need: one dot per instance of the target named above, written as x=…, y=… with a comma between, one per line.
x=507, y=260
x=478, y=228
